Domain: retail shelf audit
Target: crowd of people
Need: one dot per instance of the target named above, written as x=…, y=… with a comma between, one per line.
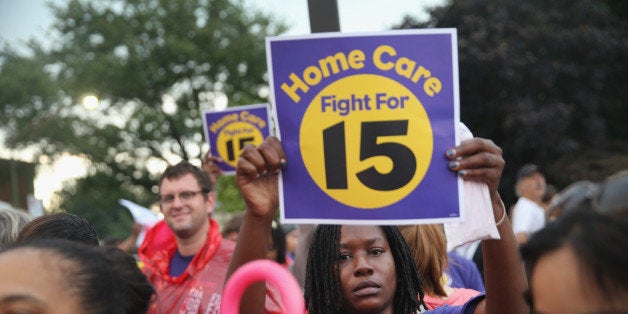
x=576, y=237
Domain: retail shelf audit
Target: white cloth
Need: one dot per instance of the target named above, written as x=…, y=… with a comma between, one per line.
x=479, y=222
x=141, y=215
x=527, y=217
x=467, y=250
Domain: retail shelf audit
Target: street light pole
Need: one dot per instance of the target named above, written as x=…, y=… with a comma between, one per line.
x=323, y=16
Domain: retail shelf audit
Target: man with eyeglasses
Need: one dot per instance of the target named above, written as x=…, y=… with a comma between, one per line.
x=184, y=256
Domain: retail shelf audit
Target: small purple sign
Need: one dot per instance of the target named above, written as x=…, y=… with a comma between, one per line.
x=365, y=120
x=229, y=130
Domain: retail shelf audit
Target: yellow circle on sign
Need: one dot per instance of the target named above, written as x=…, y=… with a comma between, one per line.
x=366, y=141
x=232, y=138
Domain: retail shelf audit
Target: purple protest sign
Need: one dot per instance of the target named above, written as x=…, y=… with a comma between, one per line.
x=229, y=130
x=365, y=120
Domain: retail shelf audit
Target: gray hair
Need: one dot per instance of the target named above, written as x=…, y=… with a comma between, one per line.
x=11, y=222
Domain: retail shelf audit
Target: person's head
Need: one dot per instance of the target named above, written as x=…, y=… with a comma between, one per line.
x=292, y=237
x=232, y=227
x=277, y=246
x=185, y=199
x=138, y=290
x=354, y=269
x=530, y=183
x=60, y=276
x=608, y=196
x=428, y=245
x=11, y=222
x=612, y=196
x=60, y=226
x=572, y=196
x=577, y=263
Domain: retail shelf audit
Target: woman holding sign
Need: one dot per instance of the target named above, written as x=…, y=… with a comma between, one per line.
x=369, y=269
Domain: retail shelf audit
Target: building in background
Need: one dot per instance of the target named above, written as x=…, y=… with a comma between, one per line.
x=16, y=186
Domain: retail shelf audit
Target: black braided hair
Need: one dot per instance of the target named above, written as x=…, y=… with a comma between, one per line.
x=322, y=281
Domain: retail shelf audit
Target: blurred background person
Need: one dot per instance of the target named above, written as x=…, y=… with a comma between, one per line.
x=185, y=256
x=527, y=215
x=571, y=196
x=584, y=249
x=60, y=226
x=63, y=276
x=607, y=196
x=232, y=227
x=11, y=222
x=428, y=246
x=292, y=239
x=277, y=247
x=127, y=244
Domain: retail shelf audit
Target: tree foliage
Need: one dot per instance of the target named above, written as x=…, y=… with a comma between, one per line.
x=546, y=80
x=154, y=64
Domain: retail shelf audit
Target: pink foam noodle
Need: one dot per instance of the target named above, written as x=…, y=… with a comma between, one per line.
x=262, y=270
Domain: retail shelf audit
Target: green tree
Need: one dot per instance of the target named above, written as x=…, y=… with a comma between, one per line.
x=546, y=80
x=154, y=64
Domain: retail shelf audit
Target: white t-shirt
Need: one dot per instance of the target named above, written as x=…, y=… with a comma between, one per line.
x=527, y=217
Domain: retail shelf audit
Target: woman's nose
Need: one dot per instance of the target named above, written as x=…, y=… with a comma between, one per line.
x=362, y=267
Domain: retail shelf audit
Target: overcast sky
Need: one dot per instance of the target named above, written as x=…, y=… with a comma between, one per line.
x=22, y=19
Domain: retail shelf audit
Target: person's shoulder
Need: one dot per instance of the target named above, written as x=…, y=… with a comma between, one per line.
x=227, y=244
x=524, y=205
x=467, y=308
x=225, y=250
x=453, y=256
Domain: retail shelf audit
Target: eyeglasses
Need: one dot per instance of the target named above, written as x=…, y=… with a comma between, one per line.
x=183, y=196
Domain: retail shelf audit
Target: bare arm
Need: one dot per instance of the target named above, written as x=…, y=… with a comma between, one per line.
x=504, y=274
x=129, y=243
x=256, y=176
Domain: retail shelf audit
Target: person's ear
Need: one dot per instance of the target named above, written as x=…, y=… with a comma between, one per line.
x=210, y=202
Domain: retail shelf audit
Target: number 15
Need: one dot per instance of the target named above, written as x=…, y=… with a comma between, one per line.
x=402, y=157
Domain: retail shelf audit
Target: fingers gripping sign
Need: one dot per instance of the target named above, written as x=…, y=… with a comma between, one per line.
x=478, y=159
x=256, y=175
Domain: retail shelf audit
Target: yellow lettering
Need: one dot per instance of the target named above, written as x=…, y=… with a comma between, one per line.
x=404, y=67
x=248, y=117
x=330, y=65
x=420, y=72
x=377, y=57
x=384, y=59
x=432, y=86
x=312, y=75
x=356, y=59
x=333, y=61
x=214, y=127
x=291, y=90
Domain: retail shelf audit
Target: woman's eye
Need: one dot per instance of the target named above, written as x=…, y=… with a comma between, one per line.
x=344, y=257
x=376, y=252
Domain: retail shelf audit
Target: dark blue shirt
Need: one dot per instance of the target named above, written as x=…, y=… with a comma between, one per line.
x=179, y=263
